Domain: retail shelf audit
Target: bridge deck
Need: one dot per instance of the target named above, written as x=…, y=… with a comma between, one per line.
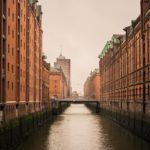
x=78, y=101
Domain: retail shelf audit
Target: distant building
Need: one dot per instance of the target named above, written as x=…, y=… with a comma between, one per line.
x=65, y=65
x=92, y=85
x=87, y=88
x=74, y=94
x=58, y=84
x=45, y=83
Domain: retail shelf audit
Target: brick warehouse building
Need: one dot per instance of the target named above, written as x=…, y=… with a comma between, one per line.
x=65, y=64
x=125, y=75
x=86, y=88
x=45, y=84
x=58, y=84
x=20, y=56
x=92, y=85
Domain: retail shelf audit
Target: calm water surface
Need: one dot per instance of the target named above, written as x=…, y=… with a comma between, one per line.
x=79, y=129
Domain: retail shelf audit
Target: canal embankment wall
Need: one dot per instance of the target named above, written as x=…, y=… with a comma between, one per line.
x=15, y=131
x=137, y=123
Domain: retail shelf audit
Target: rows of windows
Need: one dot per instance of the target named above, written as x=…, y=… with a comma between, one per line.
x=13, y=31
x=10, y=84
x=12, y=50
x=13, y=34
x=12, y=67
x=13, y=15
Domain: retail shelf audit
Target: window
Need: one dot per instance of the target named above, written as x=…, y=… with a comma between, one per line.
x=24, y=32
x=12, y=67
x=13, y=17
x=12, y=86
x=8, y=85
x=24, y=46
x=136, y=91
x=8, y=11
x=24, y=60
x=12, y=33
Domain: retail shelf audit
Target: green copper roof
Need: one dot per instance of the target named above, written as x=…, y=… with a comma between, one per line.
x=38, y=10
x=114, y=40
x=31, y=2
x=107, y=46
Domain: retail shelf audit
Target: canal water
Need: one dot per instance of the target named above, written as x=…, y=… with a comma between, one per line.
x=80, y=129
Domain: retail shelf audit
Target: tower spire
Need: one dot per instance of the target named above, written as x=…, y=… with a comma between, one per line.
x=60, y=50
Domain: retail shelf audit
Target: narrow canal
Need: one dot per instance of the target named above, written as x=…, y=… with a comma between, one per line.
x=79, y=129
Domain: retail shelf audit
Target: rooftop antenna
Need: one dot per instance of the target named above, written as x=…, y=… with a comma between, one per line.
x=60, y=50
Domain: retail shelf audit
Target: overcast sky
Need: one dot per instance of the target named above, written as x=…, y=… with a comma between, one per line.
x=81, y=28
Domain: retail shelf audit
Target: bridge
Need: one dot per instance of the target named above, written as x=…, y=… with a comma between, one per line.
x=79, y=101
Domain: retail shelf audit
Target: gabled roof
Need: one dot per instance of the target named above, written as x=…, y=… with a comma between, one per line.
x=109, y=45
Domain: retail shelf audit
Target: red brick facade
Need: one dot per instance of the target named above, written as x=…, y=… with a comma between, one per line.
x=65, y=64
x=92, y=86
x=58, y=84
x=20, y=56
x=125, y=69
x=45, y=83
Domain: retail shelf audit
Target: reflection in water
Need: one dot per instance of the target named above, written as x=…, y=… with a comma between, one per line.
x=78, y=129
